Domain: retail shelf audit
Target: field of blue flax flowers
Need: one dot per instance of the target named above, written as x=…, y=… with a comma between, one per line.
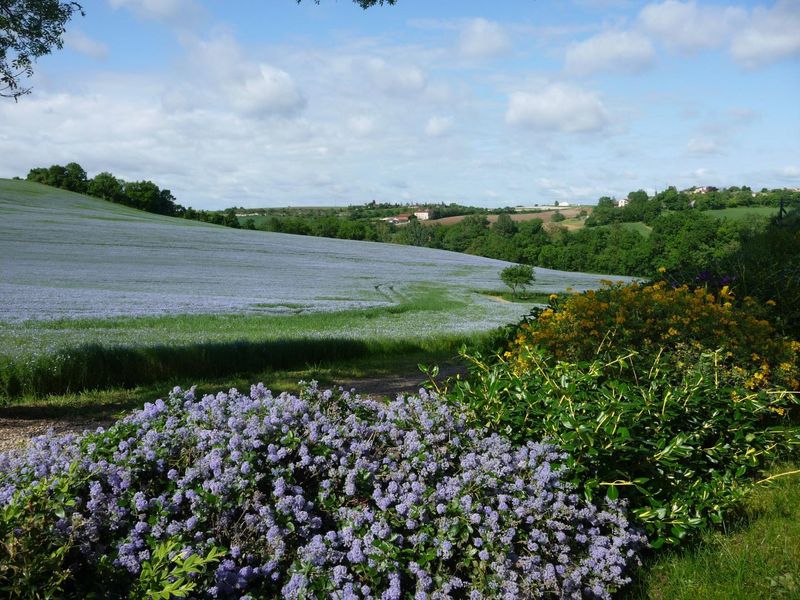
x=317, y=495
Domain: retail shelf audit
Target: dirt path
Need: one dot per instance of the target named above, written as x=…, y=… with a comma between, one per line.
x=16, y=431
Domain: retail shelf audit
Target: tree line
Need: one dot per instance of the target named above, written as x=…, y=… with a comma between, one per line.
x=142, y=195
x=641, y=207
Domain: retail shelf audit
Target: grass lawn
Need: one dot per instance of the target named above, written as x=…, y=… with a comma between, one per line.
x=758, y=558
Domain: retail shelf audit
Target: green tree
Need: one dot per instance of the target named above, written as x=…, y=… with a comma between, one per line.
x=75, y=178
x=517, y=277
x=146, y=195
x=104, y=185
x=504, y=226
x=29, y=29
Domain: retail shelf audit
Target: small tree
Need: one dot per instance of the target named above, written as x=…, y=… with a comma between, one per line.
x=517, y=277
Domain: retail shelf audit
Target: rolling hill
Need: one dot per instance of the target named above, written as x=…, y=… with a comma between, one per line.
x=66, y=256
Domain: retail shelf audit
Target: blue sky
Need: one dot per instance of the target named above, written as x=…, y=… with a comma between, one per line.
x=271, y=103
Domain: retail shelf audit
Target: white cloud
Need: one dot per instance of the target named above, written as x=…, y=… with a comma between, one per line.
x=175, y=11
x=688, y=27
x=557, y=107
x=218, y=72
x=702, y=146
x=80, y=42
x=483, y=39
x=627, y=52
x=362, y=125
x=771, y=35
x=438, y=126
x=266, y=91
x=395, y=78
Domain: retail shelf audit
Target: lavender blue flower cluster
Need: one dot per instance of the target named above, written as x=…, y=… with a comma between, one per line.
x=327, y=495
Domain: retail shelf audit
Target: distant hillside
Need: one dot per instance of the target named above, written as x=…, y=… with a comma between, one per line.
x=65, y=255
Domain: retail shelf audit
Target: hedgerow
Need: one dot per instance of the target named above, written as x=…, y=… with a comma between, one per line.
x=670, y=397
x=256, y=496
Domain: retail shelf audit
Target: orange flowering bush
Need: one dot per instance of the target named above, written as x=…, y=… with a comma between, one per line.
x=656, y=318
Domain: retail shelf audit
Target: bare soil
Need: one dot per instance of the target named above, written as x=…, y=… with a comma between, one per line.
x=544, y=215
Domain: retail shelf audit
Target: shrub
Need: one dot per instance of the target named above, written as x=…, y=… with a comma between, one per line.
x=678, y=441
x=517, y=277
x=259, y=496
x=648, y=318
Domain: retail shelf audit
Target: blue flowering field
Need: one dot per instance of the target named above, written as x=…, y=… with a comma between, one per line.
x=95, y=294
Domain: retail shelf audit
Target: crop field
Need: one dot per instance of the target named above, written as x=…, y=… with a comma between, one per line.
x=79, y=273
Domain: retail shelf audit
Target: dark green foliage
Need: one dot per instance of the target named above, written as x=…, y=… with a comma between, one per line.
x=29, y=29
x=517, y=277
x=100, y=367
x=766, y=266
x=676, y=441
x=143, y=195
x=104, y=185
x=690, y=242
x=32, y=556
x=70, y=177
x=97, y=367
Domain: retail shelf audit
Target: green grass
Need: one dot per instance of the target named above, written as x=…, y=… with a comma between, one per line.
x=110, y=404
x=758, y=558
x=741, y=213
x=523, y=297
x=638, y=227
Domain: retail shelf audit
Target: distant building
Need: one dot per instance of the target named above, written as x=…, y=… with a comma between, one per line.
x=398, y=219
x=703, y=190
x=422, y=215
x=622, y=202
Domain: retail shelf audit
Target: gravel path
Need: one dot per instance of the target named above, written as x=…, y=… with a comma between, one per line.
x=15, y=433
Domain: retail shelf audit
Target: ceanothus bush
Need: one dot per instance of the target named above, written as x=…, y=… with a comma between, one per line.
x=260, y=496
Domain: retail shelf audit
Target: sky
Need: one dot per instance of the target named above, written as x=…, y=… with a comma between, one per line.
x=273, y=103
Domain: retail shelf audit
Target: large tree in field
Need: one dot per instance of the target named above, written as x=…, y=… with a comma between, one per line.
x=29, y=29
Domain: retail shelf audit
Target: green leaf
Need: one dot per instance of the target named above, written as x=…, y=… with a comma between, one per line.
x=612, y=493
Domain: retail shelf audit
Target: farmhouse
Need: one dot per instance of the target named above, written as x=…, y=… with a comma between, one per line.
x=398, y=219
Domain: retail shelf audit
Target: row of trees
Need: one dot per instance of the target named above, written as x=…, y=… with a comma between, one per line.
x=680, y=241
x=644, y=208
x=143, y=195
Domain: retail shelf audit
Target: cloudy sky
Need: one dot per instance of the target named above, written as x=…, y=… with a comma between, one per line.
x=271, y=103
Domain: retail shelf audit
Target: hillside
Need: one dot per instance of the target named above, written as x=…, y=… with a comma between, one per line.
x=65, y=255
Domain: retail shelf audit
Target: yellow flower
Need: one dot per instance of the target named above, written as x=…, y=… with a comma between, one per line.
x=662, y=269
x=770, y=302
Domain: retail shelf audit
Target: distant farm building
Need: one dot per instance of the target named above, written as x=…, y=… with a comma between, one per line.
x=703, y=190
x=398, y=219
x=422, y=215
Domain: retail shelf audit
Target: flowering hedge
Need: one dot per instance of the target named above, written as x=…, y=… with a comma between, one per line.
x=257, y=496
x=653, y=317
